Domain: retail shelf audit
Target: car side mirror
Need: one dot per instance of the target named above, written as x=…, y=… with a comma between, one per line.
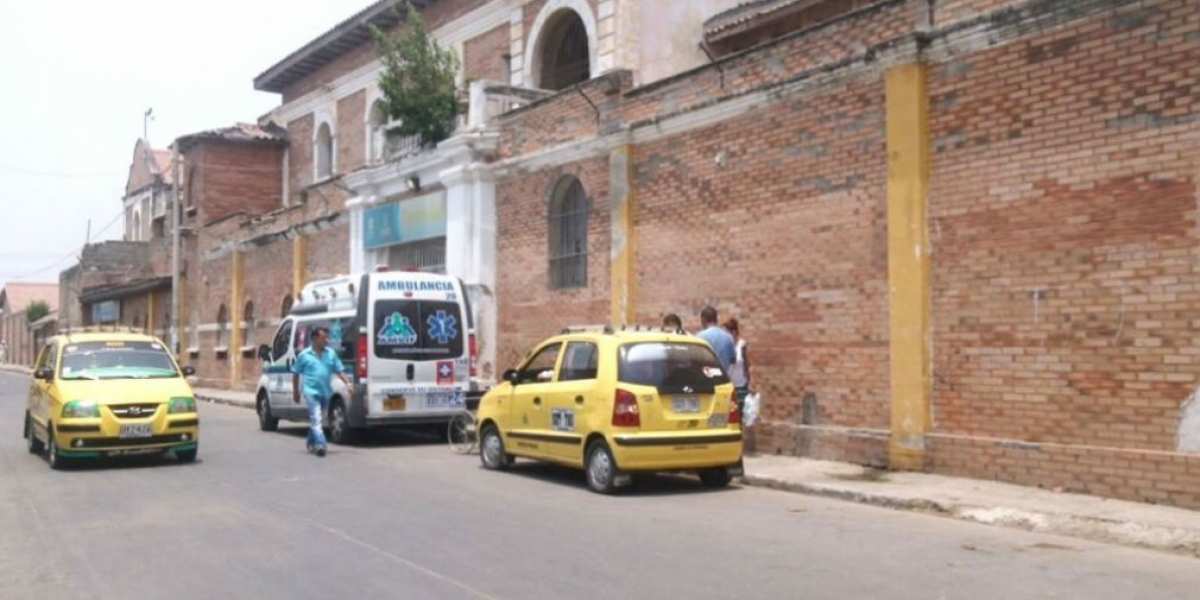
x=188, y=370
x=512, y=376
x=44, y=374
x=264, y=353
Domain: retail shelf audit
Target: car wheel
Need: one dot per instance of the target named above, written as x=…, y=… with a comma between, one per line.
x=266, y=422
x=52, y=456
x=32, y=443
x=340, y=431
x=491, y=450
x=600, y=468
x=187, y=456
x=715, y=478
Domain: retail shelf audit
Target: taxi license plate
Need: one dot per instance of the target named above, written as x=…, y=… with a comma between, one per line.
x=394, y=404
x=447, y=400
x=686, y=405
x=136, y=431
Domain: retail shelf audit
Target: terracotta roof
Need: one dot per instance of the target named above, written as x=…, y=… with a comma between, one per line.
x=240, y=132
x=746, y=12
x=162, y=160
x=16, y=296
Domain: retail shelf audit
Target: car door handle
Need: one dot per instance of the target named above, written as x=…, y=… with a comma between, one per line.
x=537, y=401
x=578, y=399
x=410, y=372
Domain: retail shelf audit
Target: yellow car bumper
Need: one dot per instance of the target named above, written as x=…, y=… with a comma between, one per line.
x=669, y=451
x=83, y=438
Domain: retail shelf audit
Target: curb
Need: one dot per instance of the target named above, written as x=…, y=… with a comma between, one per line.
x=226, y=401
x=1125, y=533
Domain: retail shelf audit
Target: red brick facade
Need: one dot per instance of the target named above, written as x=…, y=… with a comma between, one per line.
x=1062, y=224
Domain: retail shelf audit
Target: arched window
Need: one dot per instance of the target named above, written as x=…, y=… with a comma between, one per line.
x=377, y=120
x=323, y=151
x=136, y=234
x=222, y=323
x=285, y=307
x=568, y=234
x=564, y=56
x=248, y=324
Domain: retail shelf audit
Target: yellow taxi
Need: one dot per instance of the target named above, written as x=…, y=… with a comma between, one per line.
x=109, y=393
x=614, y=402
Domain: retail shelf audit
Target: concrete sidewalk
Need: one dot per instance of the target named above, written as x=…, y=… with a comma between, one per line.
x=1115, y=521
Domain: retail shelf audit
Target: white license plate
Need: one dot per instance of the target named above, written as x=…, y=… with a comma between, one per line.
x=447, y=400
x=136, y=431
x=686, y=405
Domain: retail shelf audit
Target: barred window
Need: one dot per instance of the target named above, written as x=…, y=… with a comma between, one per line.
x=568, y=234
x=564, y=52
x=222, y=323
x=324, y=151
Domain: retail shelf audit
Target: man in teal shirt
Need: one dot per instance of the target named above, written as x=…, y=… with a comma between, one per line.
x=317, y=364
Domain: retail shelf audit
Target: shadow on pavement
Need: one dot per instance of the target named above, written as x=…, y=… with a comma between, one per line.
x=645, y=485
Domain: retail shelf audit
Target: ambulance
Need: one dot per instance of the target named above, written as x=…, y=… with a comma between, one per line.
x=407, y=337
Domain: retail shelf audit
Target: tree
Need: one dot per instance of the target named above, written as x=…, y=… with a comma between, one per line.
x=36, y=310
x=418, y=79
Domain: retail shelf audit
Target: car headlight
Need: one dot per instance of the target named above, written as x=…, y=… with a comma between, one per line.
x=80, y=409
x=182, y=404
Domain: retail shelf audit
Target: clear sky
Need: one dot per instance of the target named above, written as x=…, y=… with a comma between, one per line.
x=76, y=77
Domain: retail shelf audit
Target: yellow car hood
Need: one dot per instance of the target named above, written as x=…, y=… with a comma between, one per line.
x=122, y=391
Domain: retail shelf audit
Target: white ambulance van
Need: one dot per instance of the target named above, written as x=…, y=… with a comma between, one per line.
x=407, y=337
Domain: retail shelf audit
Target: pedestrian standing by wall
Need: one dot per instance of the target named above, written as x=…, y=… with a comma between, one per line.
x=317, y=365
x=718, y=338
x=739, y=371
x=673, y=323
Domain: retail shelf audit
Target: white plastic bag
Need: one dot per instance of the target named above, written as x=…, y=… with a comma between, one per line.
x=750, y=409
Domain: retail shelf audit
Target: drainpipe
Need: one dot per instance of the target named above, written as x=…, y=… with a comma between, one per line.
x=175, y=250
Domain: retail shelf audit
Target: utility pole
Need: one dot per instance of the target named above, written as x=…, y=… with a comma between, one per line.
x=175, y=249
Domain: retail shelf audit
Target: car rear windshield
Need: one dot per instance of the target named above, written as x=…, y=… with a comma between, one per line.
x=117, y=360
x=672, y=367
x=418, y=329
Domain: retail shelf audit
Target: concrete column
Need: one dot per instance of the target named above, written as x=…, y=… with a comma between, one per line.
x=459, y=221
x=622, y=196
x=235, y=321
x=908, y=156
x=299, y=261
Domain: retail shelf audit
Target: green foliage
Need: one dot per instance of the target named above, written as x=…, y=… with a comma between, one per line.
x=418, y=79
x=36, y=310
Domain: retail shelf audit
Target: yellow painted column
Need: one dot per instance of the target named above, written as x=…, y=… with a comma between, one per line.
x=908, y=159
x=150, y=313
x=623, y=192
x=235, y=321
x=299, y=259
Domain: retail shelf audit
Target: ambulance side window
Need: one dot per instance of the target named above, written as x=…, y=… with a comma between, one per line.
x=283, y=338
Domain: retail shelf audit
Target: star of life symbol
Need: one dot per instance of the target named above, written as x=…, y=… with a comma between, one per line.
x=442, y=327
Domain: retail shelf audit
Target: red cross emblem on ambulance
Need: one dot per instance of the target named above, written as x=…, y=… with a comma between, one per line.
x=445, y=372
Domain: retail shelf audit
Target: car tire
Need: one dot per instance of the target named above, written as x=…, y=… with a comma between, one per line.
x=186, y=456
x=600, y=469
x=340, y=431
x=715, y=478
x=491, y=450
x=266, y=421
x=32, y=443
x=52, y=456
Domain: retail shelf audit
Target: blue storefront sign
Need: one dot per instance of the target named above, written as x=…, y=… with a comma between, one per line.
x=406, y=221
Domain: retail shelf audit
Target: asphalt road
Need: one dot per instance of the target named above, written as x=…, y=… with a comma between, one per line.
x=401, y=516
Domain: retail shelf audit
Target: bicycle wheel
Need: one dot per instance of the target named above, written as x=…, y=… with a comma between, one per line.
x=461, y=432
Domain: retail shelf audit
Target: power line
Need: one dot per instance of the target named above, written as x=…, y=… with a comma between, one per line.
x=62, y=174
x=73, y=253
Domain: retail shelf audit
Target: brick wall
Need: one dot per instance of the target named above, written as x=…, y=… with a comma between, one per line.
x=231, y=177
x=946, y=12
x=483, y=56
x=528, y=310
x=1065, y=276
x=300, y=156
x=351, y=132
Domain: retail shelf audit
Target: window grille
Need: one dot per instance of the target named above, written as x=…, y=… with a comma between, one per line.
x=569, y=210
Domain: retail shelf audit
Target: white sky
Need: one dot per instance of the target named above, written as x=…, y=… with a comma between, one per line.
x=76, y=77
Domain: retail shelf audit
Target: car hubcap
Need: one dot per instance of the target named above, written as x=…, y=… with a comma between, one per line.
x=491, y=449
x=339, y=422
x=600, y=469
x=262, y=411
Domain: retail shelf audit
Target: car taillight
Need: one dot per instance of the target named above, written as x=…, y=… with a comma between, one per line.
x=360, y=363
x=474, y=349
x=625, y=410
x=735, y=415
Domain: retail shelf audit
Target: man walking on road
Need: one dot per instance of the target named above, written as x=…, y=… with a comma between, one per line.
x=317, y=364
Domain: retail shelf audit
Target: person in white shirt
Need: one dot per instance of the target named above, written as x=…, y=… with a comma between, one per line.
x=739, y=371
